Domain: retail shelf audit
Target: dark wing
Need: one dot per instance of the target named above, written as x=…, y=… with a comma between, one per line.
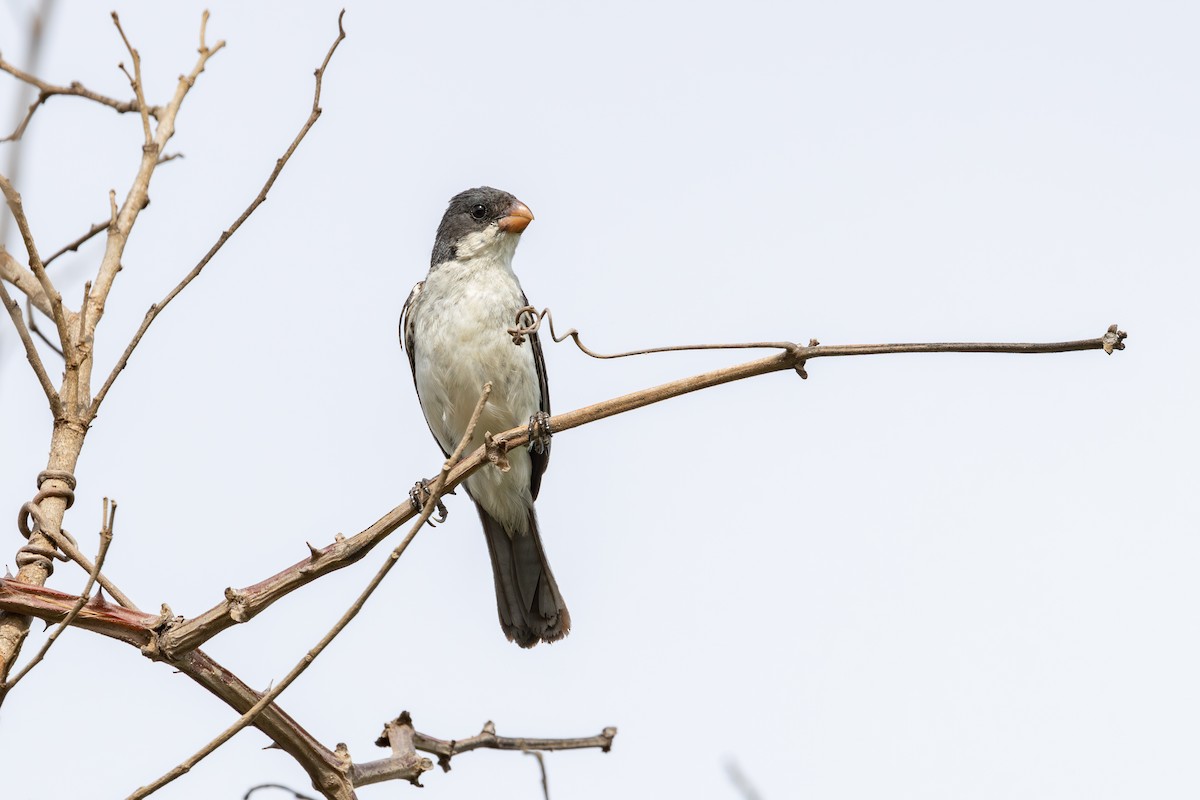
x=409, y=343
x=540, y=460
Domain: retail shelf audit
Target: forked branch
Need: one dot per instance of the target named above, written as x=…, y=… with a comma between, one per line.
x=157, y=308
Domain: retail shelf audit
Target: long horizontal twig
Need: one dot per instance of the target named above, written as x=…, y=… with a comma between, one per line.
x=241, y=605
x=487, y=739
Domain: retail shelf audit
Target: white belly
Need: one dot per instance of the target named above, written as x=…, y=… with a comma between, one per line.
x=461, y=344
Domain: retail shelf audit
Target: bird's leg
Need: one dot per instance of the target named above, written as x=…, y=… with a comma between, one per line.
x=540, y=432
x=419, y=495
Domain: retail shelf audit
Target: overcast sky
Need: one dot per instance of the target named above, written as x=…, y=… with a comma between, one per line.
x=938, y=576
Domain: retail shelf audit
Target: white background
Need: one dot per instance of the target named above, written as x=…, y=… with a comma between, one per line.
x=908, y=577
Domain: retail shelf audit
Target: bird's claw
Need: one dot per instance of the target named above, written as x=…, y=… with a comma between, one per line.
x=540, y=432
x=419, y=495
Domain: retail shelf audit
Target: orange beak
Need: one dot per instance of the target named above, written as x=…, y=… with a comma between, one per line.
x=516, y=218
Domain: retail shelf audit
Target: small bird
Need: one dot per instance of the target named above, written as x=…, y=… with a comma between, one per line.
x=454, y=328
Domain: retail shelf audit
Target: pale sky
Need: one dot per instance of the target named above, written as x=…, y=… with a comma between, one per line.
x=944, y=576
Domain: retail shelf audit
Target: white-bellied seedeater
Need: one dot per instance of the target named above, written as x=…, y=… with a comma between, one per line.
x=454, y=328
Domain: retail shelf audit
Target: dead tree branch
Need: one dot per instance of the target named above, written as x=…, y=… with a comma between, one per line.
x=157, y=308
x=346, y=790
x=242, y=604
x=31, y=353
x=75, y=89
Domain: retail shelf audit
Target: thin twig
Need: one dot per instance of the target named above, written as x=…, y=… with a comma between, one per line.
x=67, y=546
x=157, y=308
x=522, y=329
x=69, y=248
x=294, y=793
x=541, y=759
x=31, y=353
x=136, y=199
x=248, y=717
x=17, y=208
x=106, y=534
x=75, y=89
x=36, y=331
x=136, y=78
x=83, y=312
x=99, y=227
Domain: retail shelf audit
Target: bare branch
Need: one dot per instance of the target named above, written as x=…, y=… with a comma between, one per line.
x=157, y=308
x=97, y=615
x=75, y=89
x=64, y=542
x=35, y=262
x=241, y=605
x=31, y=353
x=487, y=739
x=247, y=718
x=24, y=280
x=139, y=629
x=138, y=197
x=136, y=79
x=75, y=245
x=106, y=535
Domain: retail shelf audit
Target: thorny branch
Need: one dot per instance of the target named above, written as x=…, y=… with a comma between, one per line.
x=241, y=605
x=149, y=632
x=435, y=492
x=177, y=642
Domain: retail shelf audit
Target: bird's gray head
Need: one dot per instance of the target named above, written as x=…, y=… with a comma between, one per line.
x=478, y=220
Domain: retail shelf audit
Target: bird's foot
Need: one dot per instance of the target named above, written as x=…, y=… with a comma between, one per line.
x=540, y=432
x=419, y=495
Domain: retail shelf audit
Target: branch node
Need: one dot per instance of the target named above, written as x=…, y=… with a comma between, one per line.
x=1114, y=339
x=236, y=602
x=497, y=452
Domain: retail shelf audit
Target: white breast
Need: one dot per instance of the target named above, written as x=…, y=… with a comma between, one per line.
x=460, y=330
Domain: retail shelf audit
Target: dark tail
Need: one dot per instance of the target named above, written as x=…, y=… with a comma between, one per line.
x=527, y=598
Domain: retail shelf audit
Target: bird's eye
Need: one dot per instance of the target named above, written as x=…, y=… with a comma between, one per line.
x=478, y=211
